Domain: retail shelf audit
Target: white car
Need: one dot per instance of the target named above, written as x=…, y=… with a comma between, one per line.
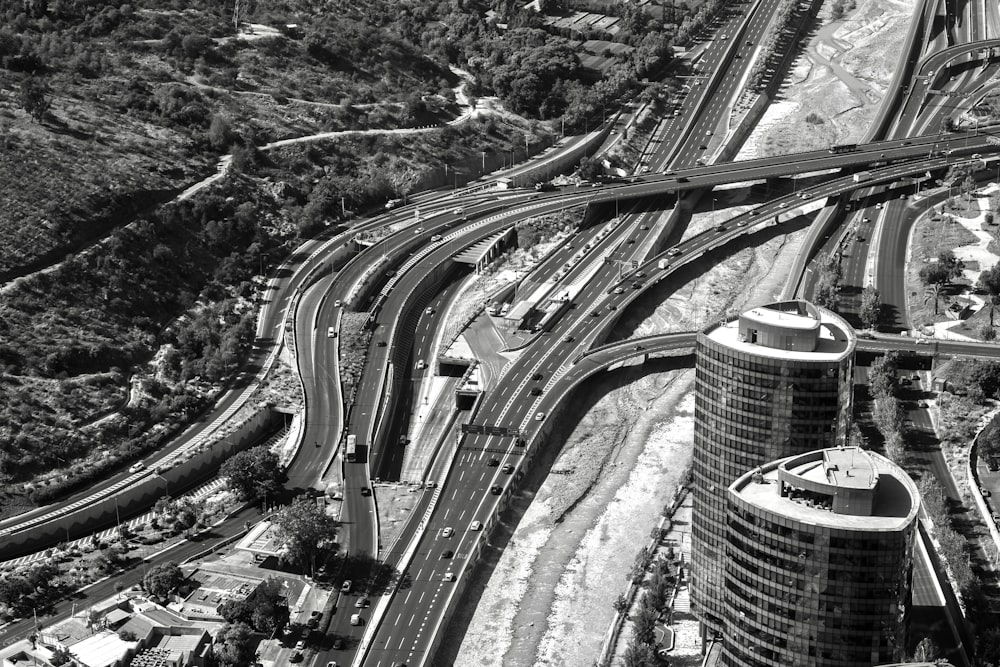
x=449, y=576
x=338, y=303
x=137, y=467
x=447, y=532
x=539, y=416
x=619, y=290
x=476, y=526
x=331, y=332
x=458, y=211
x=429, y=310
x=421, y=365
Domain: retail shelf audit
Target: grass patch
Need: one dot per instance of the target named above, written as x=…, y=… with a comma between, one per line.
x=354, y=340
x=932, y=235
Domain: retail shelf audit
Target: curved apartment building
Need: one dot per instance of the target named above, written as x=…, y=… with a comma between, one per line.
x=772, y=382
x=818, y=561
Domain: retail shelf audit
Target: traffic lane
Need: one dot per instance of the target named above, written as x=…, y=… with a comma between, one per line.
x=440, y=551
x=466, y=474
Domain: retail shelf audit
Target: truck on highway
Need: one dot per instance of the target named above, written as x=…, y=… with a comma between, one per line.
x=844, y=148
x=352, y=448
x=862, y=176
x=663, y=263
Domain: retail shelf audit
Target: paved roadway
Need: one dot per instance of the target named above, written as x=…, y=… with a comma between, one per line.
x=131, y=576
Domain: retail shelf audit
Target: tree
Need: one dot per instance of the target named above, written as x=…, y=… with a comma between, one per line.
x=986, y=375
x=887, y=415
x=34, y=97
x=988, y=647
x=163, y=579
x=871, y=307
x=933, y=293
x=60, y=656
x=266, y=610
x=953, y=265
x=220, y=132
x=827, y=290
x=235, y=645
x=645, y=623
x=882, y=379
x=254, y=474
x=638, y=654
x=590, y=168
x=926, y=651
x=305, y=529
x=989, y=280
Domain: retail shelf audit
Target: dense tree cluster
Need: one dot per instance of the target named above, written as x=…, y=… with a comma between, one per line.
x=953, y=549
x=113, y=308
x=163, y=579
x=266, y=610
x=886, y=410
x=255, y=474
x=827, y=292
x=235, y=645
x=871, y=307
x=306, y=531
x=23, y=591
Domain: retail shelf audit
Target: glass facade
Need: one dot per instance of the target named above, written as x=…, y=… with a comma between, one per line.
x=750, y=409
x=803, y=593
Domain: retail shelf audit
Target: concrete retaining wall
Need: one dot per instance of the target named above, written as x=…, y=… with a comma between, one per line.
x=141, y=496
x=971, y=471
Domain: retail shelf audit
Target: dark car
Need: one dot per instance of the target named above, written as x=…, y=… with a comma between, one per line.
x=536, y=391
x=496, y=489
x=493, y=463
x=594, y=313
x=536, y=377
x=448, y=553
x=381, y=343
x=295, y=657
x=509, y=468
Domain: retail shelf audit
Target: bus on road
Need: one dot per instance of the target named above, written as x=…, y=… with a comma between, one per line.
x=352, y=448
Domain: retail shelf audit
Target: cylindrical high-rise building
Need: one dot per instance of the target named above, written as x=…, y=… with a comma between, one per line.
x=773, y=382
x=818, y=561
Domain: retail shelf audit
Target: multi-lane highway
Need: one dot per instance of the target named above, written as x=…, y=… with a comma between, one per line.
x=411, y=260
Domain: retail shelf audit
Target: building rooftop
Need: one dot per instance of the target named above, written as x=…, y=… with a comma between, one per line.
x=818, y=334
x=846, y=488
x=849, y=467
x=103, y=649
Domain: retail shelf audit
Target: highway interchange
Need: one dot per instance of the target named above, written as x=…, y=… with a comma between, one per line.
x=308, y=296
